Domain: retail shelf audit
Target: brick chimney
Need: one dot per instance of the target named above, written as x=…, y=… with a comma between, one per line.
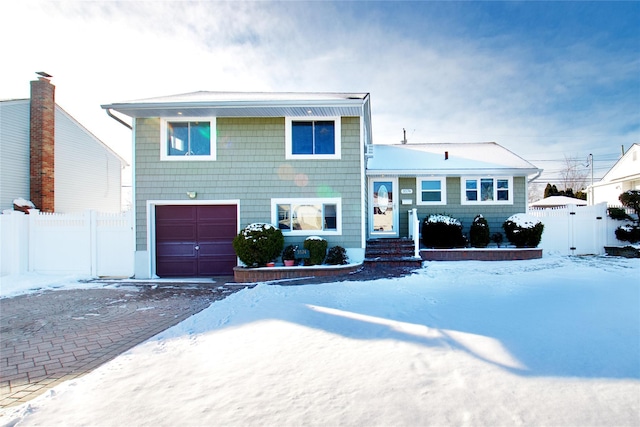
x=42, y=144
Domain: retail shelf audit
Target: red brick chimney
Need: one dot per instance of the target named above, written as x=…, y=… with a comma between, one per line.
x=42, y=140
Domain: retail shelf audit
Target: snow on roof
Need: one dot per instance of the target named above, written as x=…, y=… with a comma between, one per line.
x=439, y=158
x=553, y=201
x=223, y=97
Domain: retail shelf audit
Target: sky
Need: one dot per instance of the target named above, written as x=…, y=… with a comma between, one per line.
x=552, y=341
x=548, y=80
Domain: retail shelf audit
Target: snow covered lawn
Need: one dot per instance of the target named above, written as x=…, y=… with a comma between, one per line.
x=554, y=341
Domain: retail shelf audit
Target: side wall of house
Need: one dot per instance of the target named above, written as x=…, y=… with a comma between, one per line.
x=494, y=214
x=250, y=166
x=87, y=174
x=14, y=152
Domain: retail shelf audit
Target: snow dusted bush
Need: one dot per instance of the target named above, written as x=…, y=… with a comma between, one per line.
x=337, y=256
x=479, y=232
x=630, y=232
x=442, y=232
x=523, y=231
x=317, y=247
x=258, y=244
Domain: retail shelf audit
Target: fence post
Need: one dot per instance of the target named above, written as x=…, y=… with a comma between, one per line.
x=92, y=235
x=33, y=238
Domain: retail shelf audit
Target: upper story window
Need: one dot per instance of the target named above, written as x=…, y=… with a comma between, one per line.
x=319, y=216
x=312, y=138
x=486, y=190
x=432, y=191
x=188, y=139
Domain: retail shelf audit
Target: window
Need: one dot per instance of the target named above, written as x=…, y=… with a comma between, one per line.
x=431, y=191
x=307, y=216
x=487, y=190
x=188, y=139
x=312, y=138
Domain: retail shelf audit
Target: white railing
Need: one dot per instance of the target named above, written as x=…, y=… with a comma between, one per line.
x=89, y=243
x=414, y=231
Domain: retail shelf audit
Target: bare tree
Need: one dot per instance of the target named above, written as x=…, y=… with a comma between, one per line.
x=534, y=192
x=574, y=174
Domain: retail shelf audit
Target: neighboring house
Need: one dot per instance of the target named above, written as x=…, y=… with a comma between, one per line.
x=46, y=156
x=557, y=202
x=460, y=180
x=207, y=164
x=623, y=176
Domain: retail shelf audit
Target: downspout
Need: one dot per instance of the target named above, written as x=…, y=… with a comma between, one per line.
x=118, y=119
x=535, y=177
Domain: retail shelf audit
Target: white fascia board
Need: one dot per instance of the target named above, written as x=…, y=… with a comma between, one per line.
x=452, y=172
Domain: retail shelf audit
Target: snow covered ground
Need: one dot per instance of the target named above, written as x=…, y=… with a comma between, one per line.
x=554, y=341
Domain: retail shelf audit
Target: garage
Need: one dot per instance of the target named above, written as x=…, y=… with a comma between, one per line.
x=195, y=240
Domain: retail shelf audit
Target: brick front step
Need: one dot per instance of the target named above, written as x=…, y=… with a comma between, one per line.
x=410, y=262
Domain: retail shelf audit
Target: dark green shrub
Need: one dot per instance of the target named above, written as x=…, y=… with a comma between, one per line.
x=523, y=231
x=289, y=253
x=497, y=238
x=258, y=244
x=337, y=255
x=442, y=232
x=317, y=247
x=618, y=214
x=479, y=232
x=631, y=199
x=628, y=233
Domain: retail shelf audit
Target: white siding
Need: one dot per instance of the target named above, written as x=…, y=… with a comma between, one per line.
x=14, y=152
x=87, y=173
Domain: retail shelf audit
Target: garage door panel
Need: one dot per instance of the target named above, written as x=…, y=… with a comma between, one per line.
x=176, y=268
x=214, y=267
x=176, y=250
x=176, y=213
x=220, y=231
x=176, y=232
x=217, y=212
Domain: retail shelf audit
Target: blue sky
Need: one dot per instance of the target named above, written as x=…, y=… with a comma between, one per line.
x=548, y=80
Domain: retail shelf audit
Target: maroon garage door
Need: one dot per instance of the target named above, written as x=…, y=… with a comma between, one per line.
x=195, y=241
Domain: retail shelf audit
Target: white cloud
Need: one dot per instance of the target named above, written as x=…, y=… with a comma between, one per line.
x=425, y=74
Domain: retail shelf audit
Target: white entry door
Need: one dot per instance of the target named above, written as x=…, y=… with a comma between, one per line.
x=383, y=207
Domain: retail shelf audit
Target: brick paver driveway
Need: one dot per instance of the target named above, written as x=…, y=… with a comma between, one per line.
x=53, y=336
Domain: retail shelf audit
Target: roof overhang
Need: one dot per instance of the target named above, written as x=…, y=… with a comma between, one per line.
x=451, y=172
x=245, y=104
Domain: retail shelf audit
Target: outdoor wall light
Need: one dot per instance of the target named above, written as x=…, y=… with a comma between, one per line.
x=192, y=194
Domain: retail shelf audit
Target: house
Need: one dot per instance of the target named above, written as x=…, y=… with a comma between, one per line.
x=557, y=202
x=49, y=158
x=209, y=163
x=460, y=180
x=624, y=175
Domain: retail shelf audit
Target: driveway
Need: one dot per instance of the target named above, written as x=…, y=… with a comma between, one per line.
x=54, y=336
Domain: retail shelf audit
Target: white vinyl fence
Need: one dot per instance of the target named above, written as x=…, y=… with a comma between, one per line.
x=577, y=230
x=90, y=243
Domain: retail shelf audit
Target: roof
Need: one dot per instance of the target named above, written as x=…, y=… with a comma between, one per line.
x=554, y=201
x=460, y=159
x=627, y=168
x=245, y=104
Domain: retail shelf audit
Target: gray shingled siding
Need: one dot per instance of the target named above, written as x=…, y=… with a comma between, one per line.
x=250, y=154
x=494, y=214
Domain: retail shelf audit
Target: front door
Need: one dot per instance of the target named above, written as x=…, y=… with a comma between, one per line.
x=383, y=207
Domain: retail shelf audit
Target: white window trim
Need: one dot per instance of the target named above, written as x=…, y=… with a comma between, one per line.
x=443, y=190
x=289, y=144
x=463, y=191
x=308, y=201
x=163, y=139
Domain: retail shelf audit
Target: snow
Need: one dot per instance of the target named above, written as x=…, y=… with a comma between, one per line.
x=443, y=219
x=24, y=203
x=314, y=238
x=524, y=220
x=553, y=341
